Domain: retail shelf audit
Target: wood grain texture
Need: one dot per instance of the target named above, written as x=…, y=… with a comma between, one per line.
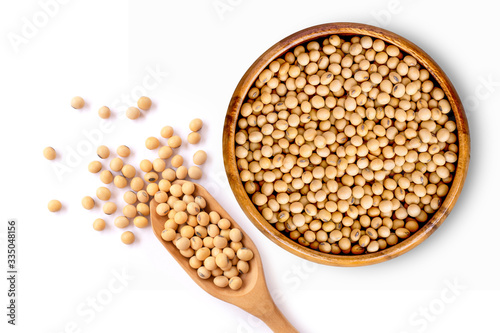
x=279, y=49
x=253, y=296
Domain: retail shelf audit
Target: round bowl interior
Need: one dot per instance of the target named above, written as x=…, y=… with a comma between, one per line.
x=280, y=49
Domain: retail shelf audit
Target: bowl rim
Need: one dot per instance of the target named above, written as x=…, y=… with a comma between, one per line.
x=314, y=33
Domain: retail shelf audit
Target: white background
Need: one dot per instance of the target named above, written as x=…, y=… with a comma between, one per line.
x=104, y=50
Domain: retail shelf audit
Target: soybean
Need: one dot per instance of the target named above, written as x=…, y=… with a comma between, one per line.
x=194, y=138
x=167, y=132
x=195, y=172
x=140, y=222
x=129, y=211
x=77, y=102
x=95, y=166
x=128, y=237
x=88, y=202
x=116, y=164
x=235, y=283
x=54, y=206
x=121, y=222
x=200, y=157
x=109, y=208
x=49, y=153
x=104, y=112
x=144, y=103
x=103, y=193
x=152, y=143
x=123, y=151
x=133, y=113
x=195, y=125
x=174, y=141
x=128, y=171
x=103, y=152
x=99, y=225
x=120, y=181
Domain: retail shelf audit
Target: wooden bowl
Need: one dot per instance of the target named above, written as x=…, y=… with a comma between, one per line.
x=279, y=49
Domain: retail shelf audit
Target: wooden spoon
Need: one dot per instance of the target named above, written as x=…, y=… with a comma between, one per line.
x=253, y=296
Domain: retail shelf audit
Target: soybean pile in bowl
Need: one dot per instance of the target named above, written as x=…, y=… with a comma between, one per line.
x=346, y=144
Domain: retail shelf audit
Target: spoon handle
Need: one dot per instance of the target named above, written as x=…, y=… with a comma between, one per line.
x=276, y=321
x=262, y=306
